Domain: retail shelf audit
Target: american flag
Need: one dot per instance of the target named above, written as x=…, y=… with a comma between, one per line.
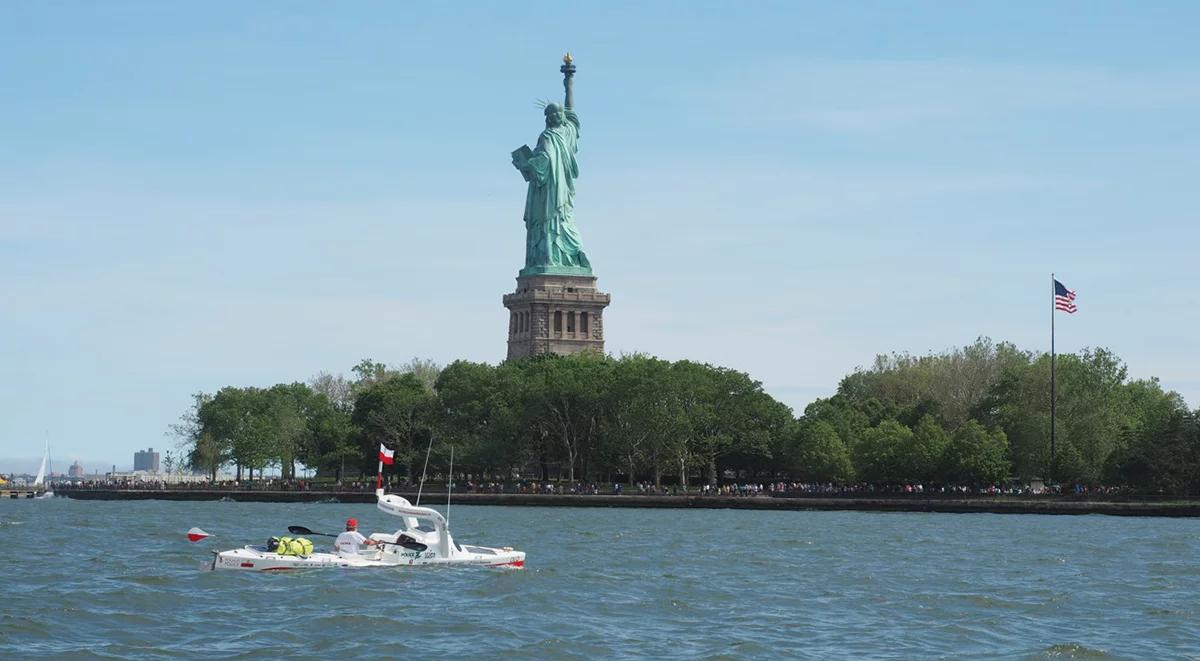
x=1064, y=299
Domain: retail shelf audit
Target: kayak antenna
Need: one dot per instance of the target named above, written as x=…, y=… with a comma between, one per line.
x=449, y=485
x=421, y=486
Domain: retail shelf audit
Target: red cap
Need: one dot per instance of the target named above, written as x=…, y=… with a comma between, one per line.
x=351, y=523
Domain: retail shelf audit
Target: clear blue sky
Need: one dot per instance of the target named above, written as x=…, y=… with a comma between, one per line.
x=195, y=195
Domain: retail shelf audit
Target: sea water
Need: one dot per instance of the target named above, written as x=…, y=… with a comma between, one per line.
x=120, y=580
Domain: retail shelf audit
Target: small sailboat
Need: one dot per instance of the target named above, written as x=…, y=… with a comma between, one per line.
x=40, y=480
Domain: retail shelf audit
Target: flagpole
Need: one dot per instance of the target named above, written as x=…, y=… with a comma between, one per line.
x=1052, y=384
x=379, y=482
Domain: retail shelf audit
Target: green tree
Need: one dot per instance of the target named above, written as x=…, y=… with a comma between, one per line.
x=223, y=419
x=876, y=457
x=969, y=414
x=368, y=372
x=818, y=454
x=850, y=423
x=696, y=435
x=255, y=437
x=1161, y=454
x=948, y=385
x=330, y=440
x=203, y=450
x=335, y=388
x=480, y=409
x=976, y=456
x=636, y=413
x=397, y=411
x=921, y=458
x=1093, y=408
x=289, y=407
x=1069, y=465
x=756, y=424
x=1019, y=403
x=566, y=395
x=426, y=371
x=208, y=455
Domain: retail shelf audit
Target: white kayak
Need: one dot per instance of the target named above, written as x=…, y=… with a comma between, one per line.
x=423, y=539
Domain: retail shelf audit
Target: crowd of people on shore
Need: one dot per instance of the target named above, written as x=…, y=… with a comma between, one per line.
x=267, y=484
x=563, y=487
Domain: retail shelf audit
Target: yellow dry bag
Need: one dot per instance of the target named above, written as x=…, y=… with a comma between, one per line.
x=294, y=546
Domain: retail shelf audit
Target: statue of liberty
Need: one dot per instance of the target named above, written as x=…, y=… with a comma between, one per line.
x=552, y=242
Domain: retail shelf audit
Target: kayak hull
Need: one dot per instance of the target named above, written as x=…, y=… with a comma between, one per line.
x=258, y=559
x=424, y=540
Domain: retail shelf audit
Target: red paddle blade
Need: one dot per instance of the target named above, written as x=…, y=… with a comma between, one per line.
x=196, y=534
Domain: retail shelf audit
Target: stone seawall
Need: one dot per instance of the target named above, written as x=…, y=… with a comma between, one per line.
x=995, y=505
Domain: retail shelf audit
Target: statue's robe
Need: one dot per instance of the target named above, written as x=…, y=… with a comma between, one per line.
x=552, y=239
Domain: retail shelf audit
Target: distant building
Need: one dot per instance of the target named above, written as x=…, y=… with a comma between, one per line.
x=76, y=470
x=146, y=461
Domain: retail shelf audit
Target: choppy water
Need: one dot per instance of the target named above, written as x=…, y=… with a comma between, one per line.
x=120, y=580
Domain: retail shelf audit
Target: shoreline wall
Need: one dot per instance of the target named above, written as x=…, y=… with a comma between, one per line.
x=994, y=505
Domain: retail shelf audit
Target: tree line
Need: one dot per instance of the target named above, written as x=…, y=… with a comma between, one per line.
x=975, y=415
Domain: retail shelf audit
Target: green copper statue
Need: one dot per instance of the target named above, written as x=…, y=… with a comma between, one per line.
x=552, y=242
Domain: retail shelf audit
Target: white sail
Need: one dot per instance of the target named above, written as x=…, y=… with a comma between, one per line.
x=41, y=476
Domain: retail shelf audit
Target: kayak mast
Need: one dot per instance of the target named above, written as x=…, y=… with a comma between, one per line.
x=421, y=486
x=449, y=485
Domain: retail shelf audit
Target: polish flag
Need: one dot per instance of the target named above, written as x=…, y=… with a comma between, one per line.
x=386, y=455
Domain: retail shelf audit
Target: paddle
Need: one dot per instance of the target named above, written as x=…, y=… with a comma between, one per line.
x=405, y=541
x=301, y=530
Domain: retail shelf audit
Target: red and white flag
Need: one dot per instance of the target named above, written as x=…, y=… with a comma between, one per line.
x=386, y=456
x=1064, y=299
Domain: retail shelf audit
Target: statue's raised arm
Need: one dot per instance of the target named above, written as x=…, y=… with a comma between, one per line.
x=568, y=72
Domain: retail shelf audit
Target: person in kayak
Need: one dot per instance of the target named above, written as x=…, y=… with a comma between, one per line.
x=348, y=542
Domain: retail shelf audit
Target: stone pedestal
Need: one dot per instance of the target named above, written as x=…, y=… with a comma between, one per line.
x=561, y=314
